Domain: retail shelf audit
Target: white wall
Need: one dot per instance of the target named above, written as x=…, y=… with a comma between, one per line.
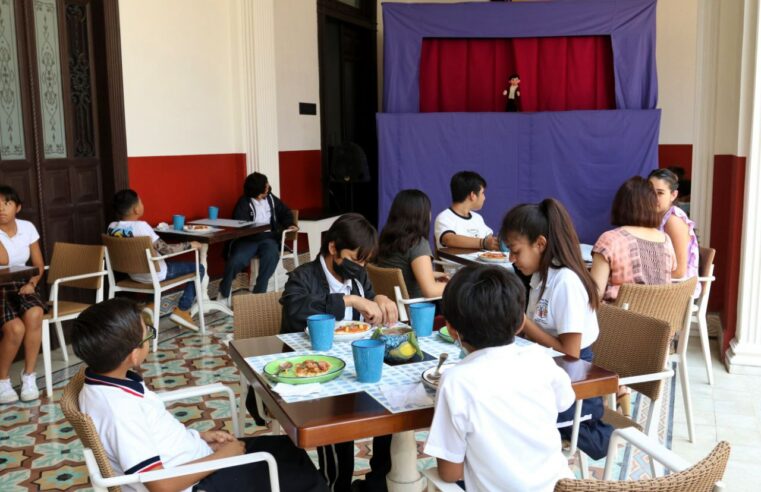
x=676, y=37
x=297, y=69
x=179, y=92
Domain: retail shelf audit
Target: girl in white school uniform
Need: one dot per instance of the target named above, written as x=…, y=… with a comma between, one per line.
x=21, y=307
x=562, y=299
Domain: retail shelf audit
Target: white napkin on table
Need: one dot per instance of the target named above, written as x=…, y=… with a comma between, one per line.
x=297, y=389
x=402, y=395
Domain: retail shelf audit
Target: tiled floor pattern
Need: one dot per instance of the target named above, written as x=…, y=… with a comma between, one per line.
x=38, y=449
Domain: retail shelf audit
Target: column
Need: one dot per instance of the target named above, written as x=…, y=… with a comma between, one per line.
x=254, y=41
x=744, y=354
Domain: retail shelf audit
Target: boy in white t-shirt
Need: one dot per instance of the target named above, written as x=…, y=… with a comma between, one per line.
x=496, y=411
x=460, y=226
x=140, y=435
x=21, y=306
x=128, y=208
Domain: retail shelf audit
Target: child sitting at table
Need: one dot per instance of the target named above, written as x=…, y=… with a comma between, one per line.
x=128, y=209
x=460, y=226
x=337, y=283
x=140, y=435
x=22, y=307
x=562, y=300
x=496, y=410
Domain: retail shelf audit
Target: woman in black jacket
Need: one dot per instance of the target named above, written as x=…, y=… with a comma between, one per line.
x=260, y=206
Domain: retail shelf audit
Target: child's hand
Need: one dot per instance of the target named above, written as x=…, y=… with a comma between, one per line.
x=215, y=439
x=232, y=448
x=195, y=245
x=26, y=289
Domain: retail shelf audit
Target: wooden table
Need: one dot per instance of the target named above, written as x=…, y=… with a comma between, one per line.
x=355, y=416
x=17, y=273
x=226, y=234
x=450, y=254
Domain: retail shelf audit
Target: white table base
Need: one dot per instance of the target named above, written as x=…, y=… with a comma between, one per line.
x=404, y=476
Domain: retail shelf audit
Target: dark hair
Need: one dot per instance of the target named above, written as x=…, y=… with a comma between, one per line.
x=666, y=175
x=254, y=185
x=105, y=333
x=9, y=194
x=635, y=204
x=514, y=76
x=124, y=200
x=549, y=218
x=485, y=305
x=409, y=220
x=464, y=183
x=352, y=231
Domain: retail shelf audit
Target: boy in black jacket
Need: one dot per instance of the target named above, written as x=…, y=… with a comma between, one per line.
x=337, y=283
x=260, y=206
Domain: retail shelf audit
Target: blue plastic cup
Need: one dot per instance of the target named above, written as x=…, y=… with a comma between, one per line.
x=213, y=212
x=368, y=359
x=421, y=317
x=178, y=221
x=321, y=330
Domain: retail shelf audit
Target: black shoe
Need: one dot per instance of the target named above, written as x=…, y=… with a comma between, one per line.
x=362, y=485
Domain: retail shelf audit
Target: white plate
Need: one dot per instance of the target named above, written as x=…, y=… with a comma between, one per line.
x=426, y=376
x=504, y=259
x=348, y=337
x=195, y=228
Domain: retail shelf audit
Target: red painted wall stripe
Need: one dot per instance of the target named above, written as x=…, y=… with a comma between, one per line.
x=676, y=155
x=301, y=178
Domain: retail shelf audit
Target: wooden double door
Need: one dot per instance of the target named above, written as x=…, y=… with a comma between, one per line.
x=62, y=138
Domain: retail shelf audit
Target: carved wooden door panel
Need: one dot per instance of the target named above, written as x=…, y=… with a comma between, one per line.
x=60, y=178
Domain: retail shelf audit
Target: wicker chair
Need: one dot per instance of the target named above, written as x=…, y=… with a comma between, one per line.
x=135, y=255
x=293, y=255
x=255, y=315
x=704, y=476
x=671, y=303
x=390, y=283
x=700, y=306
x=99, y=468
x=72, y=265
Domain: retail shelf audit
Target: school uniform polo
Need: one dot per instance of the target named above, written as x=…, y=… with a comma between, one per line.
x=563, y=306
x=496, y=412
x=344, y=287
x=450, y=221
x=17, y=246
x=261, y=210
x=137, y=432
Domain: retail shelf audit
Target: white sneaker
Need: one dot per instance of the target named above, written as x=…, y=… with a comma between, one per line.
x=227, y=301
x=29, y=389
x=7, y=393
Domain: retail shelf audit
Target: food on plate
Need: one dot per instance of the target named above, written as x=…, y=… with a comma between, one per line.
x=197, y=228
x=493, y=255
x=352, y=328
x=309, y=368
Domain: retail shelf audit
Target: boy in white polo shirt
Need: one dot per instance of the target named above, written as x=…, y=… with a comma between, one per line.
x=460, y=226
x=496, y=411
x=140, y=435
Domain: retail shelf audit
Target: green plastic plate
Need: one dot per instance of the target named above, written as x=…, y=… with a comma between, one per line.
x=273, y=372
x=444, y=334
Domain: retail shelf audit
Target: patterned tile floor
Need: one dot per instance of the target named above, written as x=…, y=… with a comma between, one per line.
x=39, y=449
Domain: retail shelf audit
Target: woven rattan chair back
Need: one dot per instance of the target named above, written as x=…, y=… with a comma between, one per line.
x=668, y=302
x=127, y=254
x=632, y=344
x=385, y=279
x=257, y=315
x=77, y=259
x=84, y=426
x=701, y=477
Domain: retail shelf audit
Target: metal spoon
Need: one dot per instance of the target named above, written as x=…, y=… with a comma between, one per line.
x=436, y=374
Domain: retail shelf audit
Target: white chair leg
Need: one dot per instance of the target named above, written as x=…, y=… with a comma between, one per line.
x=703, y=330
x=62, y=341
x=199, y=300
x=583, y=463
x=651, y=429
x=46, y=358
x=242, y=406
x=156, y=317
x=684, y=379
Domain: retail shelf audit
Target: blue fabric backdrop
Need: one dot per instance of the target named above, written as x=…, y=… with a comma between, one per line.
x=630, y=24
x=578, y=157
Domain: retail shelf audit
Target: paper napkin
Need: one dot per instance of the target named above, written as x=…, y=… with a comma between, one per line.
x=297, y=389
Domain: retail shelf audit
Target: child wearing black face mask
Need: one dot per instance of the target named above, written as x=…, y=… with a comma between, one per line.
x=337, y=283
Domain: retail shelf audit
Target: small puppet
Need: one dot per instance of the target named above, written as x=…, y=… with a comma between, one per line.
x=513, y=93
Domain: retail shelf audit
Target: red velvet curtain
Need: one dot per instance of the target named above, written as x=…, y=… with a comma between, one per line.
x=557, y=73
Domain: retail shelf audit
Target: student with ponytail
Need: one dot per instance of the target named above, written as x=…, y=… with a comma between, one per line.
x=563, y=300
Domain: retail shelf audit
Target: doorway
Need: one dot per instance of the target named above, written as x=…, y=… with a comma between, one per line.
x=347, y=34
